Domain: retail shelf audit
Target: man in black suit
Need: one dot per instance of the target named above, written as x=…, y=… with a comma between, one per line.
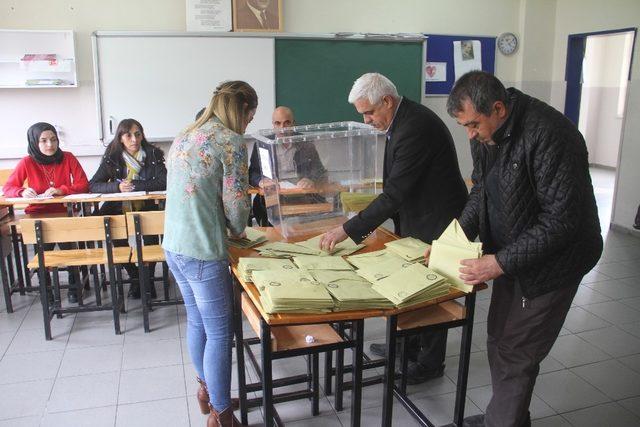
x=257, y=15
x=422, y=191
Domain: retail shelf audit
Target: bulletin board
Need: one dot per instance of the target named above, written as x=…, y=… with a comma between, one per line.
x=440, y=49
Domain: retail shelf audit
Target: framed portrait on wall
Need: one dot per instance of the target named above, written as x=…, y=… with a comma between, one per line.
x=257, y=15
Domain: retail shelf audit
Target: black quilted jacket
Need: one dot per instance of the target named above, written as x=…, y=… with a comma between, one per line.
x=549, y=214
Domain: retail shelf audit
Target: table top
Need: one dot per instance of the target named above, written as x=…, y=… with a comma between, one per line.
x=61, y=199
x=374, y=242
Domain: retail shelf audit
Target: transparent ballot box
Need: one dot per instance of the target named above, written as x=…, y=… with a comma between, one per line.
x=315, y=176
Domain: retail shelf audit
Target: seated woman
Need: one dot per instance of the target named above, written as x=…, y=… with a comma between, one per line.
x=49, y=171
x=130, y=163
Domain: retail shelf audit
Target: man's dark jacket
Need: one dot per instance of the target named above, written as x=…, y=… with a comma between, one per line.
x=153, y=177
x=422, y=186
x=548, y=213
x=307, y=163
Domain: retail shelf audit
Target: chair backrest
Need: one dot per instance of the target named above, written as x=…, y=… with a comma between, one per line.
x=73, y=229
x=151, y=223
x=4, y=175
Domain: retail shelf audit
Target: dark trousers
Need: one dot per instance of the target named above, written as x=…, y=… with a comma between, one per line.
x=259, y=211
x=131, y=268
x=428, y=349
x=518, y=340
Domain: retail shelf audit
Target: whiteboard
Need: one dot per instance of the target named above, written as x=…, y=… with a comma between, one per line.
x=163, y=80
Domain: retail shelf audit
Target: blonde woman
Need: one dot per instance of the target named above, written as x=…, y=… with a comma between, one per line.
x=206, y=196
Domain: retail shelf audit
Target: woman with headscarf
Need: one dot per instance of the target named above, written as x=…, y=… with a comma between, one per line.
x=130, y=163
x=49, y=171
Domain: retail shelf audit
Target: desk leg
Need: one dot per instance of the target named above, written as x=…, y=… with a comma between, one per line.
x=339, y=372
x=6, y=283
x=389, y=371
x=267, y=380
x=239, y=334
x=465, y=356
x=16, y=253
x=357, y=332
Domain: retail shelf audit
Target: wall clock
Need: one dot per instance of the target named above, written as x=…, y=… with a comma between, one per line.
x=507, y=43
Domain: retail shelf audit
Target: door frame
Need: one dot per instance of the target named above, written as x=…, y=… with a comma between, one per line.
x=576, y=45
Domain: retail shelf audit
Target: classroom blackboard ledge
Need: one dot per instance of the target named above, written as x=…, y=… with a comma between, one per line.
x=304, y=36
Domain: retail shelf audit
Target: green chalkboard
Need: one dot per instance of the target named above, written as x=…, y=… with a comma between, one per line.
x=314, y=77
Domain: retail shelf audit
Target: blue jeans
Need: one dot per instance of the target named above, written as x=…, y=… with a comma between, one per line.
x=208, y=298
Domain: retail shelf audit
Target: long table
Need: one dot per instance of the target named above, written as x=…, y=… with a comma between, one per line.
x=375, y=241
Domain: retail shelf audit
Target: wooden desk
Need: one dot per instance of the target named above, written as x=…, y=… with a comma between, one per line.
x=443, y=316
x=62, y=200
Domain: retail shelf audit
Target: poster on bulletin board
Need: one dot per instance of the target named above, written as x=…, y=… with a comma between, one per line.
x=449, y=57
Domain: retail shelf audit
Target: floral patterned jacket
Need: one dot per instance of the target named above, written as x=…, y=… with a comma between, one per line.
x=207, y=186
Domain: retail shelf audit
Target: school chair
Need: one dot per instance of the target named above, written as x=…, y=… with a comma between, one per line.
x=286, y=341
x=77, y=229
x=141, y=225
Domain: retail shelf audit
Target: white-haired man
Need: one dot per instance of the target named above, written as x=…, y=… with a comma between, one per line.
x=422, y=191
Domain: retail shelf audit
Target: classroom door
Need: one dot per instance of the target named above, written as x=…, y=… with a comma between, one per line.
x=598, y=69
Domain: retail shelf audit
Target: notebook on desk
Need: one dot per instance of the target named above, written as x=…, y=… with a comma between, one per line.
x=125, y=194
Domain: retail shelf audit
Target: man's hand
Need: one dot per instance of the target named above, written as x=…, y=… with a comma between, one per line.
x=305, y=183
x=483, y=269
x=126, y=186
x=52, y=192
x=29, y=193
x=427, y=254
x=331, y=238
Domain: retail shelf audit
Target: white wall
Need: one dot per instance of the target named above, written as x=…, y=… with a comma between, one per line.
x=486, y=18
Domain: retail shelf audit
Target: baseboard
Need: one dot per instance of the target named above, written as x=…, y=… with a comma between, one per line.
x=599, y=166
x=626, y=230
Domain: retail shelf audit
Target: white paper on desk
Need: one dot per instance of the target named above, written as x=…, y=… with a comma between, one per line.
x=467, y=56
x=82, y=196
x=265, y=162
x=125, y=194
x=286, y=185
x=27, y=199
x=157, y=192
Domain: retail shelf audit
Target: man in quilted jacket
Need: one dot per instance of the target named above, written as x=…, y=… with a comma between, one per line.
x=532, y=206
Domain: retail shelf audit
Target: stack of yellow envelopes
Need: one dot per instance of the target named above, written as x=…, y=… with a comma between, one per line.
x=379, y=265
x=254, y=238
x=317, y=262
x=408, y=248
x=412, y=285
x=346, y=247
x=285, y=250
x=355, y=202
x=292, y=292
x=247, y=265
x=447, y=252
x=350, y=291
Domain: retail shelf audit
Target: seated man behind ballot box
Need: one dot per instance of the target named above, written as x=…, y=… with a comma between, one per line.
x=298, y=164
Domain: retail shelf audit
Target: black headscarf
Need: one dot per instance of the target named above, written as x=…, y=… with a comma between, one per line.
x=33, y=136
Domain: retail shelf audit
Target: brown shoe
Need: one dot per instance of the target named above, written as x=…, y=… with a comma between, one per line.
x=203, y=398
x=223, y=419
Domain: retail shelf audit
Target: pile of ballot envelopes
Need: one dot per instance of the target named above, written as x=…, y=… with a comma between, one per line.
x=448, y=250
x=301, y=278
x=253, y=238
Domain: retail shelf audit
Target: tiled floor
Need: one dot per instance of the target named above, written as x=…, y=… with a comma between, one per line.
x=88, y=376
